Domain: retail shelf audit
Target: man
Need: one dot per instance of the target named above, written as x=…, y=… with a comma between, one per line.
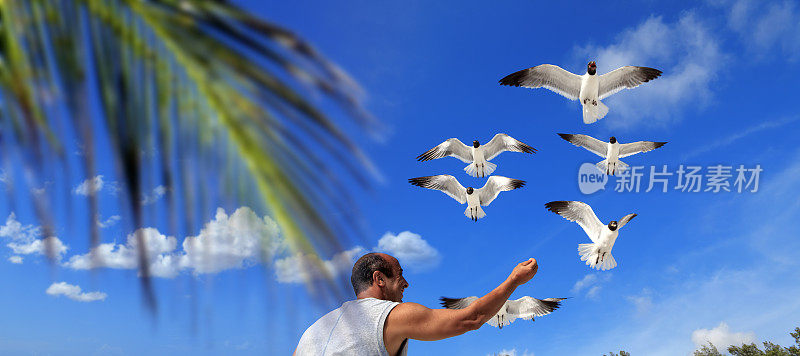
x=379, y=323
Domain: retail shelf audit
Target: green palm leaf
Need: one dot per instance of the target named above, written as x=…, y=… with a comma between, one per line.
x=201, y=85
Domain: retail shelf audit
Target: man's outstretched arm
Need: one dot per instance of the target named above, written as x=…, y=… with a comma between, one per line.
x=414, y=321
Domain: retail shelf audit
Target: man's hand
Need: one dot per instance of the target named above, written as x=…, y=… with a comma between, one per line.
x=523, y=272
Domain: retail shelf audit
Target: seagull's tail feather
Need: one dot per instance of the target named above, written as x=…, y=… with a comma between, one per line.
x=594, y=260
x=485, y=169
x=603, y=166
x=615, y=168
x=474, y=213
x=588, y=114
x=471, y=169
x=592, y=113
x=608, y=262
x=602, y=110
x=488, y=169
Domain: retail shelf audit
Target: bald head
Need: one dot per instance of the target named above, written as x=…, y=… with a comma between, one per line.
x=367, y=265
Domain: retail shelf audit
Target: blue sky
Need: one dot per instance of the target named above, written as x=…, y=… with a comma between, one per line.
x=692, y=266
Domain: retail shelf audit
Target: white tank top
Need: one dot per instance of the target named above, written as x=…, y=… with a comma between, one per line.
x=355, y=328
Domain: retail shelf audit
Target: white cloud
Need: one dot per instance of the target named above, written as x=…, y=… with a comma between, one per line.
x=90, y=186
x=155, y=195
x=300, y=268
x=686, y=51
x=593, y=292
x=592, y=283
x=159, y=252
x=765, y=28
x=244, y=345
x=16, y=231
x=74, y=292
x=25, y=239
x=725, y=141
x=236, y=241
x=643, y=301
x=51, y=244
x=111, y=221
x=512, y=352
x=15, y=259
x=410, y=249
x=721, y=337
x=584, y=282
x=107, y=349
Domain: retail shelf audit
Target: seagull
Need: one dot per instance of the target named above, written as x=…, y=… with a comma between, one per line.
x=522, y=308
x=477, y=156
x=598, y=253
x=475, y=198
x=612, y=150
x=589, y=88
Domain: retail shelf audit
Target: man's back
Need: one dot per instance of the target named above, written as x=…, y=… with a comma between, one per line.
x=355, y=328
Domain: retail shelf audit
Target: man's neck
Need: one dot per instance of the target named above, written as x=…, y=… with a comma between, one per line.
x=370, y=293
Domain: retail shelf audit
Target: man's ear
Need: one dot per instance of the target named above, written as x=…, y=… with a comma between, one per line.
x=378, y=279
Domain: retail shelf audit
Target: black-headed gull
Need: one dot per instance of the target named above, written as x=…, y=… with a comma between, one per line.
x=522, y=308
x=611, y=151
x=589, y=88
x=477, y=156
x=475, y=198
x=598, y=253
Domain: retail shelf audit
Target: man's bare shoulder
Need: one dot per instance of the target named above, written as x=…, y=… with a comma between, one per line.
x=406, y=310
x=405, y=314
x=400, y=323
x=410, y=306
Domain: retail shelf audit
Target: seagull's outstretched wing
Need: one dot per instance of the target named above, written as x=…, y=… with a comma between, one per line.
x=446, y=183
x=625, y=220
x=590, y=143
x=452, y=147
x=496, y=184
x=580, y=213
x=625, y=77
x=549, y=76
x=525, y=307
x=529, y=307
x=629, y=149
x=457, y=303
x=461, y=303
x=501, y=143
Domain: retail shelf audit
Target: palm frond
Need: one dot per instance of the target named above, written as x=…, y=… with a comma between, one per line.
x=184, y=88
